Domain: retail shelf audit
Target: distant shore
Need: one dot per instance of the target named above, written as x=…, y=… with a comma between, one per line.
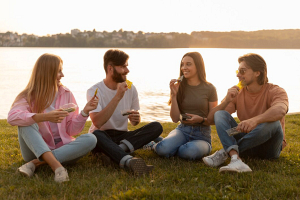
x=262, y=39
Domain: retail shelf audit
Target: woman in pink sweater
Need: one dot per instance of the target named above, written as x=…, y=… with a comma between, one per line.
x=45, y=129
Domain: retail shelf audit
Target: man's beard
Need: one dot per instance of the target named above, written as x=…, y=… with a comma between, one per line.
x=117, y=77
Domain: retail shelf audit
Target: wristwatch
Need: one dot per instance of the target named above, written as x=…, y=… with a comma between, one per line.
x=202, y=120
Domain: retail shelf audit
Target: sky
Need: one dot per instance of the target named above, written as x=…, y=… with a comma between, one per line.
x=41, y=17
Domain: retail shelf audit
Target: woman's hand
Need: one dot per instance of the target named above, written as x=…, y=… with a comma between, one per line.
x=91, y=105
x=193, y=119
x=55, y=116
x=174, y=85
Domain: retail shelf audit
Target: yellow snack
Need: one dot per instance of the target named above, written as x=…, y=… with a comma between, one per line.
x=240, y=85
x=96, y=92
x=128, y=84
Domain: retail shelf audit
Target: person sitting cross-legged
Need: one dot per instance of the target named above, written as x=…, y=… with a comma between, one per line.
x=110, y=125
x=261, y=108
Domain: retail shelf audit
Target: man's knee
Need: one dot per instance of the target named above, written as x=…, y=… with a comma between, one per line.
x=220, y=114
x=157, y=128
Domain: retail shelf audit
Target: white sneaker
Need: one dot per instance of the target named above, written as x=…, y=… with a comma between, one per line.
x=27, y=169
x=235, y=165
x=216, y=159
x=61, y=175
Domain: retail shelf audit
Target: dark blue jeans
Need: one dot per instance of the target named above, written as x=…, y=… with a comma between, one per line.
x=108, y=141
x=264, y=141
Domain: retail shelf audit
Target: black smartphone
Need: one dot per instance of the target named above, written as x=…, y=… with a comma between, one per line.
x=184, y=117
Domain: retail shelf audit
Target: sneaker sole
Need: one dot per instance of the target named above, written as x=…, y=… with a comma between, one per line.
x=205, y=162
x=234, y=170
x=24, y=173
x=139, y=167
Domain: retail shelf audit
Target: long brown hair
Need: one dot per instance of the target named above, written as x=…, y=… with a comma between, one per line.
x=42, y=86
x=199, y=63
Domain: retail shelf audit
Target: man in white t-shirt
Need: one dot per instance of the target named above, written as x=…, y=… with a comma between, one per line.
x=118, y=103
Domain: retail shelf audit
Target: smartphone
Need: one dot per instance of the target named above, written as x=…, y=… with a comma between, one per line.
x=184, y=117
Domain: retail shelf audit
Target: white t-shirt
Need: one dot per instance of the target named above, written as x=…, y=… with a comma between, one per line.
x=53, y=126
x=117, y=121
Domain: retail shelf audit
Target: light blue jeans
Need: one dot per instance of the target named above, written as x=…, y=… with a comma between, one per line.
x=188, y=142
x=33, y=145
x=265, y=141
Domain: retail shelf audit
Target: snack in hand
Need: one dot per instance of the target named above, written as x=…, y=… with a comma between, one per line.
x=69, y=107
x=96, y=92
x=126, y=113
x=72, y=109
x=241, y=84
x=128, y=84
x=180, y=79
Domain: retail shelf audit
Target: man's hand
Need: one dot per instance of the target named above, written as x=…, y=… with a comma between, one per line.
x=232, y=93
x=134, y=117
x=247, y=125
x=121, y=89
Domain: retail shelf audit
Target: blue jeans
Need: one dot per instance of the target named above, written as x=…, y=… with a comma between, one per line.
x=188, y=142
x=108, y=141
x=264, y=141
x=33, y=145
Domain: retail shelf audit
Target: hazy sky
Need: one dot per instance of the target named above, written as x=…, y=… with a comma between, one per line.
x=60, y=16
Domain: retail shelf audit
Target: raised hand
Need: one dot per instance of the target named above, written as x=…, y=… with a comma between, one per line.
x=232, y=93
x=174, y=85
x=91, y=105
x=121, y=89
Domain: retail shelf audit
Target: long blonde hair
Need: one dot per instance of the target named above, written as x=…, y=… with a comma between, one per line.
x=42, y=86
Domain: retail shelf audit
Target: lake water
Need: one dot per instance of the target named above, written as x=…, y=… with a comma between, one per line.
x=150, y=71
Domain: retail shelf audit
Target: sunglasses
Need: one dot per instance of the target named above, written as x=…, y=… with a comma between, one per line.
x=241, y=71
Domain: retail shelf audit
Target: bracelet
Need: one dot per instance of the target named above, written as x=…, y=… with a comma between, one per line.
x=84, y=114
x=202, y=120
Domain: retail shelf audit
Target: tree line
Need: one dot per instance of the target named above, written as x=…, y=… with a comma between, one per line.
x=288, y=38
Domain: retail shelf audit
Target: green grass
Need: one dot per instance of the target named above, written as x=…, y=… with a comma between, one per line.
x=173, y=178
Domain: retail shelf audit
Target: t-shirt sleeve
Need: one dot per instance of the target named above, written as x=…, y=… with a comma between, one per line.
x=135, y=99
x=213, y=94
x=90, y=94
x=278, y=95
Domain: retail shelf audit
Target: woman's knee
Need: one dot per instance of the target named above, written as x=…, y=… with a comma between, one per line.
x=194, y=151
x=90, y=140
x=162, y=150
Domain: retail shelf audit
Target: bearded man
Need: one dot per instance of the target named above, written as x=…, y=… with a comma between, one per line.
x=261, y=108
x=118, y=103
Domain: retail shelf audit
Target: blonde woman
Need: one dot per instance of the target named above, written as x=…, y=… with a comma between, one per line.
x=45, y=130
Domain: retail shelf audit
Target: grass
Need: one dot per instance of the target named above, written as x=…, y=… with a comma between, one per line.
x=173, y=178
